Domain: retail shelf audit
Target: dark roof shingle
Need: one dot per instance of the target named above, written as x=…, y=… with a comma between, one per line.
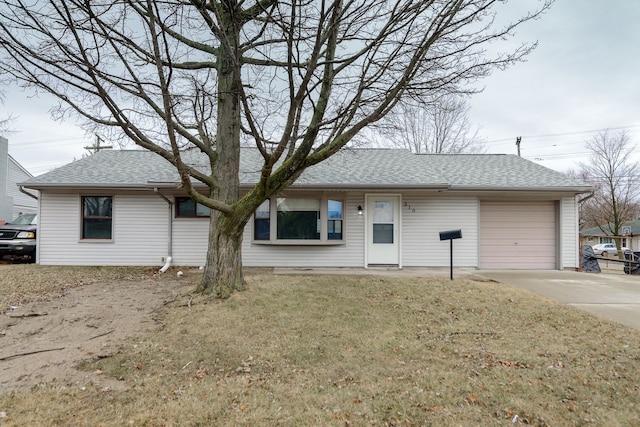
x=365, y=168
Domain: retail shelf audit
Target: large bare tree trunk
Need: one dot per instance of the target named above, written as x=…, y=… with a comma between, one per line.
x=223, y=271
x=317, y=74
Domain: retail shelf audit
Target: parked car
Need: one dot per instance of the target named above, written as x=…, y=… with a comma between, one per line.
x=606, y=249
x=18, y=238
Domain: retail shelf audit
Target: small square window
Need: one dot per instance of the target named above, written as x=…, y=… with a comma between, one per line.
x=97, y=220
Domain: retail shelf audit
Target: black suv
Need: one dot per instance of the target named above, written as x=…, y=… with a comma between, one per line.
x=18, y=238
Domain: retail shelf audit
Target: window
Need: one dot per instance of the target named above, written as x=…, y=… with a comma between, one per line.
x=302, y=220
x=298, y=219
x=334, y=224
x=97, y=221
x=187, y=207
x=262, y=221
x=383, y=222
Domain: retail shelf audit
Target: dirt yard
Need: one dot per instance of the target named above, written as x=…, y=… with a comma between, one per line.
x=46, y=339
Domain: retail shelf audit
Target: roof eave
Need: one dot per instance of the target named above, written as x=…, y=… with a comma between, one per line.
x=38, y=186
x=554, y=189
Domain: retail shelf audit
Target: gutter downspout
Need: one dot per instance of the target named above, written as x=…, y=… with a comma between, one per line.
x=167, y=264
x=584, y=199
x=22, y=190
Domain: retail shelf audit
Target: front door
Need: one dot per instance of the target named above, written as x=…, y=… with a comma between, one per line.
x=383, y=219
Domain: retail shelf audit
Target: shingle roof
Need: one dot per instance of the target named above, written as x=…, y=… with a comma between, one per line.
x=634, y=228
x=363, y=168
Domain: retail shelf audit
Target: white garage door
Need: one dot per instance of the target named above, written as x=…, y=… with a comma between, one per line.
x=518, y=235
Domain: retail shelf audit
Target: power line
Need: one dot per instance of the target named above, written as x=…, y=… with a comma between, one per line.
x=46, y=141
x=562, y=134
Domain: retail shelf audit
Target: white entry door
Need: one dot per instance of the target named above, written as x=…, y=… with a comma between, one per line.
x=383, y=224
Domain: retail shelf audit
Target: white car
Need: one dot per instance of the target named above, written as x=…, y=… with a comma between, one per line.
x=606, y=249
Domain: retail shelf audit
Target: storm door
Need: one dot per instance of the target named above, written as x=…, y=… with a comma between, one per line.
x=383, y=245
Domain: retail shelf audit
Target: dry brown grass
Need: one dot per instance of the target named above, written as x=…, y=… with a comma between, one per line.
x=22, y=283
x=359, y=351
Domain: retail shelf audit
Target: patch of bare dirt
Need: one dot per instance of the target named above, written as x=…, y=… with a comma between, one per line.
x=45, y=340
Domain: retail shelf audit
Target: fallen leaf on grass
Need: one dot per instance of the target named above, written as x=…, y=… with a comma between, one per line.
x=473, y=399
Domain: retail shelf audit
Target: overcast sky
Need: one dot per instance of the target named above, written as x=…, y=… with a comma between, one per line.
x=582, y=78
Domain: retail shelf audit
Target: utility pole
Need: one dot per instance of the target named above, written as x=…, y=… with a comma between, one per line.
x=518, y=140
x=98, y=146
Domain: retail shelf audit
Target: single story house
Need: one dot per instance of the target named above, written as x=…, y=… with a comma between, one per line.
x=629, y=235
x=359, y=208
x=13, y=202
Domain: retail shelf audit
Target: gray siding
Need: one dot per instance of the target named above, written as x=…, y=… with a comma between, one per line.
x=6, y=202
x=423, y=217
x=190, y=239
x=569, y=233
x=140, y=224
x=21, y=202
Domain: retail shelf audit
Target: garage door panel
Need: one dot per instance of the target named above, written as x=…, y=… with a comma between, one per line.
x=518, y=235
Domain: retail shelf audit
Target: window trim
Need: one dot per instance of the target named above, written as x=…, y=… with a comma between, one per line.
x=83, y=239
x=324, y=226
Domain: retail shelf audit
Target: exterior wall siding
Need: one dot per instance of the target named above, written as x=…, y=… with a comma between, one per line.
x=141, y=224
x=424, y=217
x=6, y=203
x=21, y=202
x=569, y=233
x=190, y=240
x=140, y=236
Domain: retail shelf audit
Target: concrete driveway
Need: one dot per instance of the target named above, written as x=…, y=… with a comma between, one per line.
x=615, y=296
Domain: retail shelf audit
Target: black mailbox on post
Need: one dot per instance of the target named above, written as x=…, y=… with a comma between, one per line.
x=451, y=234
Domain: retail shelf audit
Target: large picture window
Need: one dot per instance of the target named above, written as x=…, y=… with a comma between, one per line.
x=187, y=207
x=97, y=220
x=302, y=220
x=298, y=219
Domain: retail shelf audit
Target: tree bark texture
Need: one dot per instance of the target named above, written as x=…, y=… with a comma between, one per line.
x=223, y=269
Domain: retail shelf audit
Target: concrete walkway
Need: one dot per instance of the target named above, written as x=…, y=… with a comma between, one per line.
x=612, y=295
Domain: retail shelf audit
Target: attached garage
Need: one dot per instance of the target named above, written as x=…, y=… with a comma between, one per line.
x=518, y=235
x=383, y=207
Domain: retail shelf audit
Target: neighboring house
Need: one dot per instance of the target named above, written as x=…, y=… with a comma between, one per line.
x=630, y=235
x=359, y=208
x=12, y=200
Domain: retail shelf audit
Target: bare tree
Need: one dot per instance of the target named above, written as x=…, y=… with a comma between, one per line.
x=614, y=175
x=440, y=127
x=298, y=80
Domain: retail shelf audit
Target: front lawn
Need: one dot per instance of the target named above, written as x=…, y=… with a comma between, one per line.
x=358, y=351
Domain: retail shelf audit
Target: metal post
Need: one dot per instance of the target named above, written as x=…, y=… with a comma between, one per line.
x=451, y=259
